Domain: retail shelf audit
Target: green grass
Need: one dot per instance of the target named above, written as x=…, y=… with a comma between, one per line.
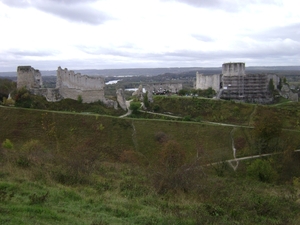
x=69, y=168
x=132, y=199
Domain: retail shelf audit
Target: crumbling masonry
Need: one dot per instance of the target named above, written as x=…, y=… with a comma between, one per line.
x=68, y=85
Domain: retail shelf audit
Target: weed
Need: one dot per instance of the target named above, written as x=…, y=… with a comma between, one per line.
x=99, y=222
x=23, y=161
x=35, y=199
x=5, y=195
x=104, y=186
x=7, y=144
x=131, y=189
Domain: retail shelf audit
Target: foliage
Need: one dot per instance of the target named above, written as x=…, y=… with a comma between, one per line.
x=208, y=93
x=7, y=144
x=8, y=102
x=183, y=92
x=271, y=86
x=204, y=109
x=23, y=98
x=134, y=106
x=279, y=86
x=6, y=87
x=172, y=155
x=32, y=152
x=146, y=100
x=262, y=170
x=79, y=98
x=161, y=137
x=267, y=129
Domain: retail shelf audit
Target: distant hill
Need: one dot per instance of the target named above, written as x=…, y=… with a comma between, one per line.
x=158, y=71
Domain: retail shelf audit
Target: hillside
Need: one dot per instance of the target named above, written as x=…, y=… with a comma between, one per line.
x=72, y=168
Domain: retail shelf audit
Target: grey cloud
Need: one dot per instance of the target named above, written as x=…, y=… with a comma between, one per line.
x=19, y=53
x=226, y=5
x=260, y=51
x=291, y=31
x=120, y=51
x=16, y=3
x=74, y=11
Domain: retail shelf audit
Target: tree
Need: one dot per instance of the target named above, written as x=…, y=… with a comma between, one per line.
x=267, y=130
x=271, y=85
x=279, y=86
x=134, y=106
x=183, y=92
x=262, y=170
x=79, y=98
x=6, y=87
x=146, y=100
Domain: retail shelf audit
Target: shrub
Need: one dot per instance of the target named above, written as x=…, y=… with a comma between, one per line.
x=134, y=106
x=79, y=98
x=187, y=118
x=161, y=137
x=129, y=156
x=156, y=108
x=262, y=171
x=172, y=156
x=32, y=152
x=7, y=144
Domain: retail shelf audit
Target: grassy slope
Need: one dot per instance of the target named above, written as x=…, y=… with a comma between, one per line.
x=79, y=160
x=61, y=131
x=226, y=111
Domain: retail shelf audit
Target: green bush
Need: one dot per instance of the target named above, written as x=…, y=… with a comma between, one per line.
x=134, y=106
x=79, y=98
x=262, y=170
x=7, y=144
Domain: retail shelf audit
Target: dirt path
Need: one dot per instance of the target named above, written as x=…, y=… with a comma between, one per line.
x=248, y=157
x=234, y=167
x=128, y=110
x=251, y=117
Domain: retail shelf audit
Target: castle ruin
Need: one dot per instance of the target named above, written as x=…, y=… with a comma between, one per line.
x=68, y=85
x=71, y=85
x=29, y=77
x=235, y=84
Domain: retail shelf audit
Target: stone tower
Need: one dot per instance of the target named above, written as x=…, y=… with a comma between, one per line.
x=233, y=69
x=28, y=77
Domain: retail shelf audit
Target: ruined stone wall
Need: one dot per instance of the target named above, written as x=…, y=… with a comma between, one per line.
x=72, y=85
x=287, y=93
x=208, y=81
x=51, y=94
x=275, y=78
x=233, y=69
x=172, y=87
x=28, y=77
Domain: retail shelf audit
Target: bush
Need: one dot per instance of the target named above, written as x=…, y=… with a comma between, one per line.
x=135, y=106
x=161, y=137
x=262, y=170
x=172, y=156
x=7, y=144
x=79, y=98
x=32, y=153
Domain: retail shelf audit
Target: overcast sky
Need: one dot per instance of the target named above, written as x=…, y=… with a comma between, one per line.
x=105, y=34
